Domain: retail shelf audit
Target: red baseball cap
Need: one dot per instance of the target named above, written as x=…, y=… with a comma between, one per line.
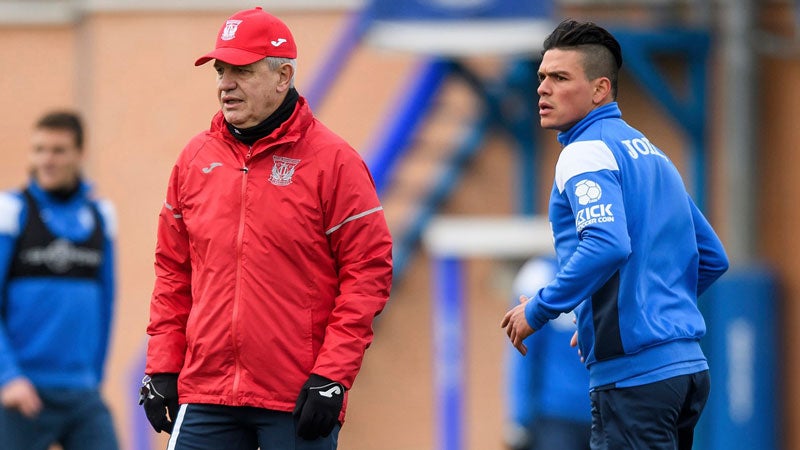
x=249, y=36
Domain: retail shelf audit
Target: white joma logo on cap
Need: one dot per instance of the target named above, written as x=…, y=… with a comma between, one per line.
x=278, y=42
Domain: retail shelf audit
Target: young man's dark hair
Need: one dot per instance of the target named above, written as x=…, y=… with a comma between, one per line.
x=64, y=120
x=602, y=55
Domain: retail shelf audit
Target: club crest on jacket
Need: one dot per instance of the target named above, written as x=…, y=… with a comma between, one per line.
x=282, y=170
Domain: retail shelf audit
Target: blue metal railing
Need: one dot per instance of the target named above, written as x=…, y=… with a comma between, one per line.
x=413, y=105
x=337, y=58
x=446, y=184
x=495, y=114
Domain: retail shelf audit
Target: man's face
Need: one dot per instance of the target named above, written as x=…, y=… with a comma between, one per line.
x=565, y=93
x=248, y=94
x=55, y=158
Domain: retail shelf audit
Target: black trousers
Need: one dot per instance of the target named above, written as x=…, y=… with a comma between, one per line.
x=216, y=427
x=77, y=420
x=655, y=416
x=550, y=433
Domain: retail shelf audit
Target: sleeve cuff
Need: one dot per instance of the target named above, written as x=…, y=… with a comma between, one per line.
x=534, y=315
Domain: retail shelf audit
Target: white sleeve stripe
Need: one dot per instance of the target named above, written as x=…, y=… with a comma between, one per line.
x=582, y=157
x=352, y=218
x=10, y=209
x=172, y=208
x=109, y=213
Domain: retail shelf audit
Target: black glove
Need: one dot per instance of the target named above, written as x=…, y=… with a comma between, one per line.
x=159, y=395
x=318, y=407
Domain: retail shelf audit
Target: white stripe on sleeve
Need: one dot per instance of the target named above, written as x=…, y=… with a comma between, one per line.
x=352, y=218
x=109, y=213
x=582, y=157
x=10, y=208
x=177, y=215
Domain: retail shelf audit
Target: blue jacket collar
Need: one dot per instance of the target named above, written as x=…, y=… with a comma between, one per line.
x=42, y=196
x=607, y=111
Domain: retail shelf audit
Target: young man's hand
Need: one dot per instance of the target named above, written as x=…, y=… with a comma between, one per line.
x=21, y=395
x=516, y=325
x=318, y=407
x=159, y=396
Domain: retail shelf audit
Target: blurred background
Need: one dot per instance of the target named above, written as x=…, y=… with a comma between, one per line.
x=439, y=96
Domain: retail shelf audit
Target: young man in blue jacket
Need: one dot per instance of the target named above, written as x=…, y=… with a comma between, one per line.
x=634, y=254
x=56, y=292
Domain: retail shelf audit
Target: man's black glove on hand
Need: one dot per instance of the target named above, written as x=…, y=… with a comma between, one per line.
x=159, y=395
x=318, y=407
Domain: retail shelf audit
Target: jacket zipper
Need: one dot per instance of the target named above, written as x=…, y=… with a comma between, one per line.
x=238, y=290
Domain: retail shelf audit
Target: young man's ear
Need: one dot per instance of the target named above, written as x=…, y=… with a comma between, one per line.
x=602, y=90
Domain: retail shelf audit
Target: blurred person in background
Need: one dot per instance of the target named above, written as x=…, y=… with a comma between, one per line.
x=547, y=389
x=634, y=254
x=273, y=258
x=56, y=298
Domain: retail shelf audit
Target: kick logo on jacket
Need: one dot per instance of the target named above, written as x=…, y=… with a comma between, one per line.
x=588, y=191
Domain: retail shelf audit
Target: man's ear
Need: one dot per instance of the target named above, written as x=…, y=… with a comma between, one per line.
x=286, y=72
x=602, y=90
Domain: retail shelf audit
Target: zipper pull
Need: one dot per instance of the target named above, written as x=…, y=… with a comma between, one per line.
x=246, y=159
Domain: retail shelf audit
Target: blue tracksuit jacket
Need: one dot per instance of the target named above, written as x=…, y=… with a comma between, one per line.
x=634, y=254
x=54, y=330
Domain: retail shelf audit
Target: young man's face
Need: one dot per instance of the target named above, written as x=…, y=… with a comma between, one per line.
x=55, y=158
x=566, y=95
x=248, y=94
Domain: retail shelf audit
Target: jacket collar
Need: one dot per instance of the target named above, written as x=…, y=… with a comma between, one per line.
x=43, y=197
x=289, y=131
x=607, y=111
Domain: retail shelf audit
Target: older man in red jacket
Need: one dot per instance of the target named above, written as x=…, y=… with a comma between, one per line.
x=273, y=258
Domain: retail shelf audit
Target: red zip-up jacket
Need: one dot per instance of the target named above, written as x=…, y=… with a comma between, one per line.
x=271, y=263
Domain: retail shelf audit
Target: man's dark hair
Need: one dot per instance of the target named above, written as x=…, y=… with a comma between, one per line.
x=602, y=55
x=64, y=120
